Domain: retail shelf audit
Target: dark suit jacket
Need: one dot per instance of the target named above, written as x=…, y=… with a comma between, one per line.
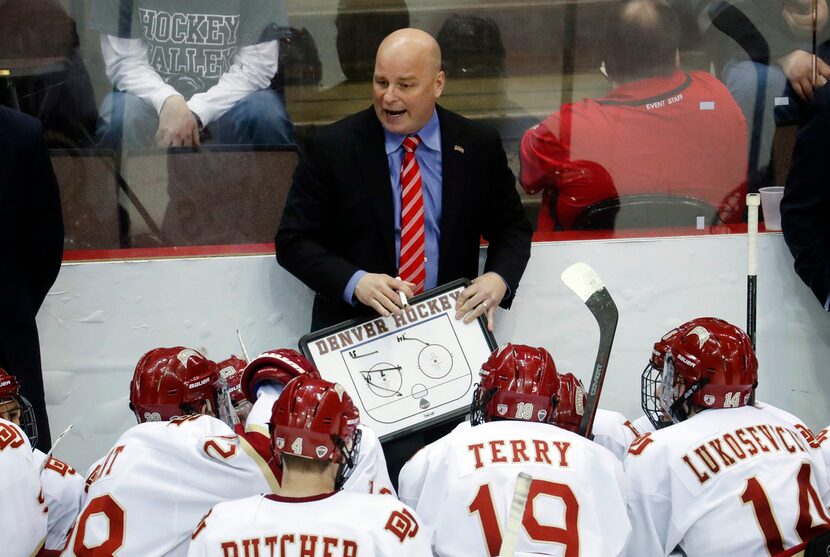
x=339, y=216
x=31, y=248
x=805, y=208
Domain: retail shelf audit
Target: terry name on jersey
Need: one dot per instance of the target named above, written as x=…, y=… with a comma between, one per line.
x=518, y=451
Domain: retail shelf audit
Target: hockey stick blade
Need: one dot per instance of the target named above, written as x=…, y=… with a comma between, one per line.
x=586, y=284
x=514, y=518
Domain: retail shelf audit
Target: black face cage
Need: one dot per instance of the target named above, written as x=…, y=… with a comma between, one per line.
x=28, y=423
x=478, y=414
x=349, y=460
x=651, y=381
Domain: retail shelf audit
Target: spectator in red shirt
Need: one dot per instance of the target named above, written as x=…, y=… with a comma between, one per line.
x=659, y=131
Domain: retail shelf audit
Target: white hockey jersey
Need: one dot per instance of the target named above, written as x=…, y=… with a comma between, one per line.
x=780, y=413
x=462, y=486
x=644, y=425
x=63, y=489
x=150, y=491
x=820, y=441
x=737, y=481
x=342, y=524
x=614, y=431
x=22, y=507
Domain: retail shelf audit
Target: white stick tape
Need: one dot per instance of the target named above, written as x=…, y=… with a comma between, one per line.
x=582, y=280
x=753, y=200
x=514, y=517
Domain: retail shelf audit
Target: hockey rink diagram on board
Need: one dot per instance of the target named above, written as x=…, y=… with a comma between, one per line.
x=403, y=375
x=405, y=371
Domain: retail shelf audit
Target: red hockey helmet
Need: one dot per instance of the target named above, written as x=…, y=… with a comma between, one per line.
x=280, y=365
x=658, y=352
x=172, y=382
x=652, y=376
x=15, y=408
x=316, y=419
x=711, y=364
x=517, y=383
x=572, y=401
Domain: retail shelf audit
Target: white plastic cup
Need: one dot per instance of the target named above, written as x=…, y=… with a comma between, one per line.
x=771, y=204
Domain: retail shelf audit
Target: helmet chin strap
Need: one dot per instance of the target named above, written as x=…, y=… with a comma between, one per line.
x=678, y=408
x=478, y=413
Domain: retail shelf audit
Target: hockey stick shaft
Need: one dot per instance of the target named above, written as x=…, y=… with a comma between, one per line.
x=753, y=200
x=55, y=446
x=514, y=518
x=607, y=328
x=814, y=14
x=242, y=345
x=752, y=203
x=586, y=284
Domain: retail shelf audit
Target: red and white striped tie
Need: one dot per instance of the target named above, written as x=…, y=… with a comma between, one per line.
x=412, y=267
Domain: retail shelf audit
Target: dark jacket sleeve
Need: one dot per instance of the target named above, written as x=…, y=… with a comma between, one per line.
x=301, y=241
x=507, y=229
x=805, y=208
x=43, y=220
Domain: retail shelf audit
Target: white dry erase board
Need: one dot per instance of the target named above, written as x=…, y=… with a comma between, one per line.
x=410, y=371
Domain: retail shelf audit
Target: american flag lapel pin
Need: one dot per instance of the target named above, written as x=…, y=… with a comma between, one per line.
x=458, y=148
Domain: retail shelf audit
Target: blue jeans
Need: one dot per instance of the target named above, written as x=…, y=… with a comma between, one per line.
x=258, y=119
x=756, y=88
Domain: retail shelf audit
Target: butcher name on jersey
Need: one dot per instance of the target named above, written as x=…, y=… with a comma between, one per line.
x=310, y=545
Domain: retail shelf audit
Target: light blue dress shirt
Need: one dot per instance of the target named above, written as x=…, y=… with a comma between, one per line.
x=428, y=155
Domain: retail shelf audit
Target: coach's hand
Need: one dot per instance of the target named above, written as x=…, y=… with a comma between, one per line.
x=380, y=292
x=482, y=296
